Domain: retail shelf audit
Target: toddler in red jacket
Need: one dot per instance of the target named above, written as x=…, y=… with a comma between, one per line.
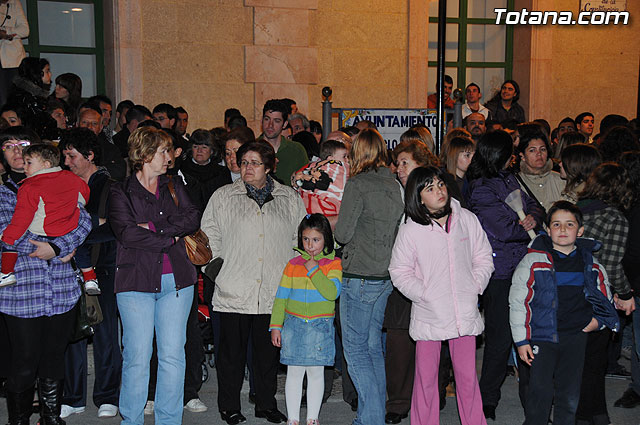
x=47, y=205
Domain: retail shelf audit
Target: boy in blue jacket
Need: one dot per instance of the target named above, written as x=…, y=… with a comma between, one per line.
x=559, y=293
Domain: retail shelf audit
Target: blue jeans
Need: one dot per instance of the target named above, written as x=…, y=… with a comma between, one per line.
x=141, y=313
x=362, y=306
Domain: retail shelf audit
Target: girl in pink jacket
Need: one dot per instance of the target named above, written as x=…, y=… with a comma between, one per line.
x=441, y=261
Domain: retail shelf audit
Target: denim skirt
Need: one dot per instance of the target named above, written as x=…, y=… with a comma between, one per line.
x=307, y=342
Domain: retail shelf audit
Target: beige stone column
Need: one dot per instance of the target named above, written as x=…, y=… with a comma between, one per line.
x=541, y=76
x=126, y=50
x=281, y=63
x=418, y=64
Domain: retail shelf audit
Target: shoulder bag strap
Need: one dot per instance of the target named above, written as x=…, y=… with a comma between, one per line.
x=529, y=192
x=172, y=191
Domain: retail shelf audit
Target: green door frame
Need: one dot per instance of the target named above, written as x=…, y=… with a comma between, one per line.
x=34, y=48
x=462, y=64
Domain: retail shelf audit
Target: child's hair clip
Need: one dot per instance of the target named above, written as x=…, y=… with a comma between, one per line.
x=307, y=217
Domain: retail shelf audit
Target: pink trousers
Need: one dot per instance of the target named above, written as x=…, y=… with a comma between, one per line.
x=425, y=402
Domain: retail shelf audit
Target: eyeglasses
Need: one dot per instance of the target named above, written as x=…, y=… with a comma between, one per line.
x=17, y=144
x=253, y=164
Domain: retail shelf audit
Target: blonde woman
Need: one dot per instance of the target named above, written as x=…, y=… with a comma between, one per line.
x=367, y=225
x=422, y=133
x=154, y=277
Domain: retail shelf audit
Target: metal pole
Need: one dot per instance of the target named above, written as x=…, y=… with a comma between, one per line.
x=638, y=108
x=442, y=27
x=327, y=112
x=458, y=97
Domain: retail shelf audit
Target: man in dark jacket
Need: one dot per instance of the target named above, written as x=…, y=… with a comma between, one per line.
x=91, y=117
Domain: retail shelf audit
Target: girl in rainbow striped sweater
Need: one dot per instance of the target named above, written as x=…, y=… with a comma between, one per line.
x=302, y=316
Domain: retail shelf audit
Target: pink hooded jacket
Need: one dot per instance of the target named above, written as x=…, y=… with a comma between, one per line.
x=443, y=274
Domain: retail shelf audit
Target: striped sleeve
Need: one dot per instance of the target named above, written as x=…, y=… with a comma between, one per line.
x=284, y=290
x=328, y=284
x=520, y=295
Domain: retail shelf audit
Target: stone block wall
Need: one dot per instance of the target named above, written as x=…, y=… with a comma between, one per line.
x=210, y=55
x=192, y=55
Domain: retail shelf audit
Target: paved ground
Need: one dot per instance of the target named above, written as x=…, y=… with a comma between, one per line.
x=336, y=412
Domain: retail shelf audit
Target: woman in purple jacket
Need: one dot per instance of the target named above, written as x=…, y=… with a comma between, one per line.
x=490, y=183
x=154, y=277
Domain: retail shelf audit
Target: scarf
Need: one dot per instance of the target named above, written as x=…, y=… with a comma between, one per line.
x=260, y=195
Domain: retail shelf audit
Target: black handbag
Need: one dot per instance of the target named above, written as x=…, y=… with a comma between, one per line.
x=88, y=311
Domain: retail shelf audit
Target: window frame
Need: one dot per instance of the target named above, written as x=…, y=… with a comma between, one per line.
x=462, y=64
x=36, y=49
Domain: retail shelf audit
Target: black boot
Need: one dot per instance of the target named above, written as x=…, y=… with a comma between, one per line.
x=50, y=392
x=19, y=406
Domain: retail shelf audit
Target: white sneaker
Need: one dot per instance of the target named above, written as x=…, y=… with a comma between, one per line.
x=66, y=410
x=91, y=287
x=148, y=408
x=7, y=279
x=195, y=405
x=107, y=411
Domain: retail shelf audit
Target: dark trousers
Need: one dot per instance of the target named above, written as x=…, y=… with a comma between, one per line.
x=215, y=323
x=37, y=348
x=554, y=378
x=5, y=352
x=349, y=393
x=593, y=405
x=399, y=363
x=615, y=345
x=107, y=356
x=235, y=331
x=194, y=355
x=497, y=340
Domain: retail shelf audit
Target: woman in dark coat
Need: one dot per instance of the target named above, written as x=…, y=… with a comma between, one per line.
x=29, y=92
x=489, y=184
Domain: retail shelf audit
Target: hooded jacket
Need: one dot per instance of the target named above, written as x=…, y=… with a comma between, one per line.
x=48, y=204
x=307, y=294
x=507, y=237
x=533, y=298
x=443, y=273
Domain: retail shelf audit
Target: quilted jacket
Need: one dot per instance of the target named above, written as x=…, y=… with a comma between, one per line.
x=533, y=298
x=255, y=244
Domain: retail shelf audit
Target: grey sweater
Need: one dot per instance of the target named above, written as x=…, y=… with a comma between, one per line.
x=370, y=214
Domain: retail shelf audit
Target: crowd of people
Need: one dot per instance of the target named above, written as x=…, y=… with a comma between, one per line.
x=399, y=264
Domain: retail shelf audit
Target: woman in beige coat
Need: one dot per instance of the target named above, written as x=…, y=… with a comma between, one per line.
x=251, y=225
x=13, y=28
x=536, y=176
